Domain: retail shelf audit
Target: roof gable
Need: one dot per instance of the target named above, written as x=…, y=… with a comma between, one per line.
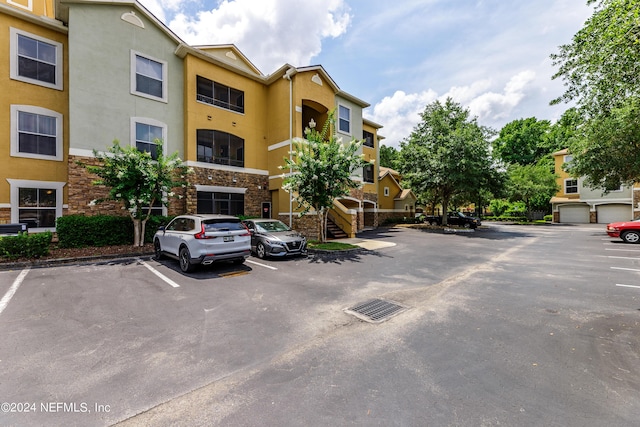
x=230, y=54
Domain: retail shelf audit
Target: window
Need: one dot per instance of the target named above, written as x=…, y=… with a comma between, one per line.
x=145, y=132
x=220, y=147
x=24, y=4
x=182, y=224
x=568, y=158
x=367, y=173
x=368, y=138
x=37, y=207
x=220, y=203
x=344, y=119
x=146, y=137
x=35, y=59
x=570, y=186
x=36, y=133
x=219, y=95
x=156, y=209
x=386, y=191
x=148, y=77
x=36, y=203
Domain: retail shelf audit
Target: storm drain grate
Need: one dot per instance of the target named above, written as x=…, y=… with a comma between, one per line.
x=375, y=310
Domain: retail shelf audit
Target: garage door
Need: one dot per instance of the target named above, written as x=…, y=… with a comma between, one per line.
x=578, y=214
x=613, y=213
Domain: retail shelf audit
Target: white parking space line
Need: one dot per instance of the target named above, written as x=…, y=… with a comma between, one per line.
x=623, y=250
x=622, y=257
x=160, y=275
x=627, y=269
x=627, y=286
x=261, y=265
x=12, y=290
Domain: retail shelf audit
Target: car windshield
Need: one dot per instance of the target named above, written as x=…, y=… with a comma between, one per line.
x=222, y=225
x=271, y=226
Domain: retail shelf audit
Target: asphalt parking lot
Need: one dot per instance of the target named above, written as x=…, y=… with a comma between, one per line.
x=507, y=325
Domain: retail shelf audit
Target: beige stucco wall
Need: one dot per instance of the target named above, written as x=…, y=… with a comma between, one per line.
x=250, y=125
x=16, y=92
x=387, y=202
x=37, y=7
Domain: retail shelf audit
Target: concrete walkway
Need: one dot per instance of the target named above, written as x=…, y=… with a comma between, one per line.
x=369, y=244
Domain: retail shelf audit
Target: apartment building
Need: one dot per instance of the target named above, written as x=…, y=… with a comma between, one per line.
x=34, y=113
x=577, y=203
x=108, y=71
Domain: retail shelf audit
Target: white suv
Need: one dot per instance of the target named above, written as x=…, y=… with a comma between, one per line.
x=203, y=239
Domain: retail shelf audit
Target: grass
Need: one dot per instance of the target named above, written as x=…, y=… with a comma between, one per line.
x=330, y=246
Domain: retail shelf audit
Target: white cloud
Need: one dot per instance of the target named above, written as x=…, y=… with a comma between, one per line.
x=400, y=113
x=269, y=32
x=493, y=106
x=474, y=51
x=159, y=8
x=156, y=8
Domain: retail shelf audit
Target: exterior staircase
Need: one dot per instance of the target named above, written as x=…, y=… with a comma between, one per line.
x=334, y=232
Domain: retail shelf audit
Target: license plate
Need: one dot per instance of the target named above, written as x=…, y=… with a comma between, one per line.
x=227, y=239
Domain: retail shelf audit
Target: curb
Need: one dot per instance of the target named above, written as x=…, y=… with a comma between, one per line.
x=93, y=259
x=335, y=252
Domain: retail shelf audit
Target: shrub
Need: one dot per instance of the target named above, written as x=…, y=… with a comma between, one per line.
x=77, y=231
x=153, y=223
x=548, y=218
x=25, y=245
x=401, y=220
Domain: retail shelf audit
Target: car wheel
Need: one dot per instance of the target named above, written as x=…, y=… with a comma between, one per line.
x=467, y=225
x=630, y=236
x=433, y=223
x=185, y=260
x=157, y=250
x=261, y=251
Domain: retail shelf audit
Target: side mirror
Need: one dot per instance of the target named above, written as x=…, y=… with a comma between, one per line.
x=161, y=228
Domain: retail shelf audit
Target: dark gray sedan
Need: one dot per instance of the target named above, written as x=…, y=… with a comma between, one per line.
x=272, y=237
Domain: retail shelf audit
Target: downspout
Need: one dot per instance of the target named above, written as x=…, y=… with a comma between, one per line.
x=287, y=75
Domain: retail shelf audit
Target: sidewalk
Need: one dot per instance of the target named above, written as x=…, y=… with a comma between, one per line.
x=368, y=244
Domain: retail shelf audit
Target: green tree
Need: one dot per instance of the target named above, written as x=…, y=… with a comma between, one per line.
x=388, y=157
x=522, y=141
x=138, y=181
x=446, y=154
x=532, y=184
x=600, y=66
x=562, y=132
x=600, y=71
x=321, y=171
x=607, y=149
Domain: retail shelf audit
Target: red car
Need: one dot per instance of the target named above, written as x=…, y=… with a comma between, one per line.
x=628, y=231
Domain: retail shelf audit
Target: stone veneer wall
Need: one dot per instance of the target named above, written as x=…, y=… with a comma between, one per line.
x=81, y=191
x=307, y=225
x=371, y=219
x=383, y=216
x=257, y=188
x=5, y=215
x=636, y=202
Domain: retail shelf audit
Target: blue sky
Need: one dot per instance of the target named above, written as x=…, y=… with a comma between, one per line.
x=492, y=56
